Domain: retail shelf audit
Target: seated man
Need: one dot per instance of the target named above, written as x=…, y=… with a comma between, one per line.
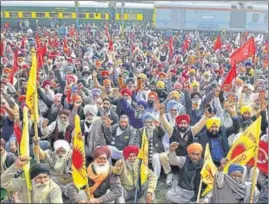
x=230, y=188
x=189, y=173
x=59, y=161
x=44, y=189
x=119, y=136
x=104, y=185
x=128, y=169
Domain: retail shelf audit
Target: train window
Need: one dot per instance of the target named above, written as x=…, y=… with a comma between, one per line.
x=255, y=17
x=82, y=15
x=13, y=14
x=132, y=16
x=266, y=18
x=54, y=15
x=27, y=14
x=67, y=15
x=91, y=15
x=40, y=15
x=103, y=16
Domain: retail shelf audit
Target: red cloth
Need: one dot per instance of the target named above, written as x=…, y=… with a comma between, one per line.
x=217, y=44
x=227, y=84
x=186, y=117
x=22, y=98
x=171, y=46
x=104, y=73
x=130, y=149
x=244, y=52
x=18, y=132
x=66, y=49
x=126, y=91
x=15, y=67
x=45, y=83
x=262, y=162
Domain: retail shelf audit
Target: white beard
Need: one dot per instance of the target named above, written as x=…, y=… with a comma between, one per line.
x=60, y=164
x=40, y=192
x=101, y=169
x=62, y=126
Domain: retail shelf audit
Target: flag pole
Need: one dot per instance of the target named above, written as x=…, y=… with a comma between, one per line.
x=254, y=180
x=199, y=191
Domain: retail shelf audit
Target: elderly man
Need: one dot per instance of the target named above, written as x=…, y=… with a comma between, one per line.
x=104, y=185
x=119, y=136
x=230, y=188
x=59, y=161
x=7, y=158
x=44, y=189
x=59, y=129
x=129, y=170
x=189, y=173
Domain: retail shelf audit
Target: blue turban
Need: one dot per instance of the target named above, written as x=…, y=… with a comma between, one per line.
x=142, y=103
x=172, y=104
x=147, y=116
x=235, y=167
x=96, y=91
x=248, y=64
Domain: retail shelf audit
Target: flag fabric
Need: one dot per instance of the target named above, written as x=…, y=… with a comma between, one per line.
x=79, y=172
x=186, y=44
x=31, y=93
x=24, y=147
x=262, y=162
x=244, y=52
x=17, y=132
x=227, y=84
x=143, y=155
x=66, y=49
x=208, y=171
x=217, y=44
x=15, y=67
x=2, y=47
x=171, y=46
x=245, y=146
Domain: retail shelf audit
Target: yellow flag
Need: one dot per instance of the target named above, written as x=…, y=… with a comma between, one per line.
x=79, y=172
x=143, y=155
x=24, y=147
x=31, y=93
x=245, y=146
x=208, y=171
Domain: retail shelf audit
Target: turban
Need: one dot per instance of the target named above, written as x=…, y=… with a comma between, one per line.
x=215, y=65
x=162, y=75
x=192, y=71
x=98, y=151
x=247, y=64
x=195, y=83
x=76, y=97
x=90, y=109
x=245, y=109
x=129, y=80
x=235, y=167
x=185, y=117
x=22, y=98
x=7, y=71
x=207, y=73
x=37, y=169
x=160, y=84
x=106, y=82
x=194, y=147
x=64, y=112
x=177, y=85
x=2, y=142
x=195, y=94
x=61, y=143
x=147, y=116
x=172, y=104
x=153, y=93
x=181, y=79
x=105, y=73
x=142, y=76
x=71, y=77
x=175, y=93
x=142, y=103
x=211, y=121
x=126, y=91
x=45, y=83
x=130, y=149
x=96, y=92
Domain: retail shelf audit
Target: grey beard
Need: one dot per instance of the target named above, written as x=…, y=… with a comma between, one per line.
x=55, y=108
x=40, y=192
x=101, y=169
x=62, y=126
x=60, y=164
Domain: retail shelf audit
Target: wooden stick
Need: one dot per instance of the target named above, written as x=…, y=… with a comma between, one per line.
x=199, y=191
x=254, y=180
x=36, y=129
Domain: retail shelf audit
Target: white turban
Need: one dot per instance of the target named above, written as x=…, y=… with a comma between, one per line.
x=61, y=143
x=90, y=108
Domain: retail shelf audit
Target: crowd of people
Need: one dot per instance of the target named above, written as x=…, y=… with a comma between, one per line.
x=124, y=83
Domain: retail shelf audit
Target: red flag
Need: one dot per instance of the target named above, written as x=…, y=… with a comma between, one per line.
x=15, y=67
x=66, y=49
x=262, y=162
x=110, y=42
x=186, y=44
x=217, y=44
x=244, y=52
x=266, y=45
x=171, y=46
x=2, y=47
x=17, y=131
x=227, y=84
x=23, y=42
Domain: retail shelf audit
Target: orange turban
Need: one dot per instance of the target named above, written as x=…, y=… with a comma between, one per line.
x=194, y=147
x=76, y=97
x=107, y=82
x=154, y=94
